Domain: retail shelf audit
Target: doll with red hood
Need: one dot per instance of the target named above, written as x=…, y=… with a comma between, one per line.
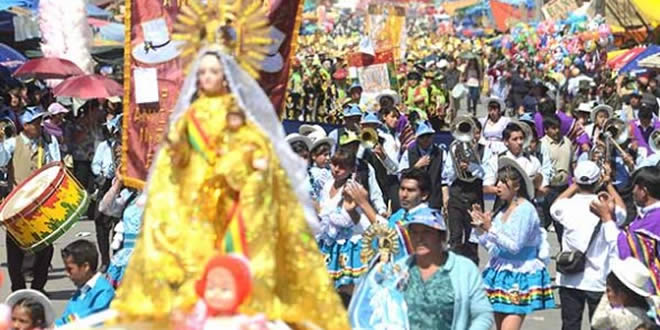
x=225, y=284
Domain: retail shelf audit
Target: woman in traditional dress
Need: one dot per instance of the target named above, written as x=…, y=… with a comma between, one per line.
x=494, y=124
x=227, y=181
x=344, y=217
x=516, y=279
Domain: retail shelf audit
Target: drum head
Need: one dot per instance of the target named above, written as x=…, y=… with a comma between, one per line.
x=29, y=192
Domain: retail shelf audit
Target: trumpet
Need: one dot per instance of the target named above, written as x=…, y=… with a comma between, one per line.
x=370, y=140
x=462, y=149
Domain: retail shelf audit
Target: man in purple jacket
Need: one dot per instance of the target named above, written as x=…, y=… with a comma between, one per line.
x=640, y=239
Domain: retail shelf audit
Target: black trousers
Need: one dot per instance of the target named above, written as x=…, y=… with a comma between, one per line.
x=104, y=225
x=459, y=232
x=550, y=198
x=82, y=170
x=572, y=306
x=15, y=256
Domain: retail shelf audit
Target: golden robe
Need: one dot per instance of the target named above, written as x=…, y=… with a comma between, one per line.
x=186, y=215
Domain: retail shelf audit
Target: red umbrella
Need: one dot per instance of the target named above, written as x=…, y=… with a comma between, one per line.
x=48, y=68
x=91, y=86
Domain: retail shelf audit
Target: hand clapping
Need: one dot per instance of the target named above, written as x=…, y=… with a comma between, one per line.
x=480, y=220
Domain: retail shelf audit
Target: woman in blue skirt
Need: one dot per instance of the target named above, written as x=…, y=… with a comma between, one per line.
x=516, y=279
x=345, y=214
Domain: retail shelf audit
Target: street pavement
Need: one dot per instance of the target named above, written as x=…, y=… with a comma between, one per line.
x=60, y=288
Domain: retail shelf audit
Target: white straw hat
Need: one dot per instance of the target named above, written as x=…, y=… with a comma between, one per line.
x=633, y=274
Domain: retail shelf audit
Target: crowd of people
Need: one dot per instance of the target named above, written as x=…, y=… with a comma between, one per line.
x=38, y=129
x=577, y=158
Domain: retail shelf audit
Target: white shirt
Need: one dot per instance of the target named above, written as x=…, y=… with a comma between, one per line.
x=530, y=164
x=579, y=223
x=52, y=150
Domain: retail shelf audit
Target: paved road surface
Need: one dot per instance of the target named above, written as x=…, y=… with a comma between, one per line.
x=61, y=288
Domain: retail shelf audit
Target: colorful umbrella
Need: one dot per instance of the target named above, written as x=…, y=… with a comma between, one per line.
x=90, y=86
x=10, y=58
x=48, y=68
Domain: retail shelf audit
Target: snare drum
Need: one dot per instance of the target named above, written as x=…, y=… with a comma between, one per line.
x=43, y=207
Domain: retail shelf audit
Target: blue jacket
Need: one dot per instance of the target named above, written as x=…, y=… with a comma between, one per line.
x=472, y=310
x=88, y=300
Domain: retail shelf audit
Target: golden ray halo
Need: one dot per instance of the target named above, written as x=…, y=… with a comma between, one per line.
x=239, y=27
x=382, y=234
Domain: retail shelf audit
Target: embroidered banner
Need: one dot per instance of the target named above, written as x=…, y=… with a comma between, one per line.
x=285, y=19
x=147, y=50
x=149, y=100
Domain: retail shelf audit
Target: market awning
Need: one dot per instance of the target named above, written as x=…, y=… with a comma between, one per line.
x=10, y=58
x=633, y=64
x=651, y=62
x=623, y=59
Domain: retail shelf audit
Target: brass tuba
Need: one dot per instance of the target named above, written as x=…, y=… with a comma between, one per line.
x=462, y=149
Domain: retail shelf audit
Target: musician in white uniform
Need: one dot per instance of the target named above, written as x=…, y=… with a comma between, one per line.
x=514, y=136
x=23, y=155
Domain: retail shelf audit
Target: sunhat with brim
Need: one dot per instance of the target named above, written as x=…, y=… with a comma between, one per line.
x=352, y=110
x=56, y=109
x=428, y=217
x=295, y=137
x=318, y=138
x=348, y=137
x=423, y=128
x=599, y=108
x=390, y=93
x=505, y=161
x=354, y=86
x=36, y=296
x=585, y=107
x=330, y=142
x=306, y=129
x=633, y=274
x=157, y=46
x=370, y=118
x=31, y=114
x=496, y=100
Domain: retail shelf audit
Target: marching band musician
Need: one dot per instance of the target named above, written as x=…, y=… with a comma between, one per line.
x=463, y=192
x=383, y=157
x=104, y=165
x=426, y=155
x=514, y=135
x=599, y=115
x=23, y=155
x=352, y=115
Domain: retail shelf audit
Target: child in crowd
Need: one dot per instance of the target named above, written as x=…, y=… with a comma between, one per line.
x=94, y=292
x=30, y=310
x=624, y=306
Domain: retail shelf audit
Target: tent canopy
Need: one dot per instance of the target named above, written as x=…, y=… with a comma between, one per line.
x=633, y=64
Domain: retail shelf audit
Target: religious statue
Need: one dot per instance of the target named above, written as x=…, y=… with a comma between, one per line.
x=378, y=302
x=225, y=181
